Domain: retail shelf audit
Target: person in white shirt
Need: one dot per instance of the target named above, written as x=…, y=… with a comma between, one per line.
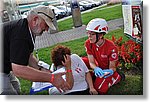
x=77, y=76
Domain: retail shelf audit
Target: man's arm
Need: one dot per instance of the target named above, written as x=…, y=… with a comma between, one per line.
x=32, y=74
x=33, y=62
x=29, y=73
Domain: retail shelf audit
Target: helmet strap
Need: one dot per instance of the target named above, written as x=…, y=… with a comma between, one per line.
x=97, y=37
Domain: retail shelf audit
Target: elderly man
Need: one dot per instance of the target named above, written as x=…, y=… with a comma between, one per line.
x=19, y=40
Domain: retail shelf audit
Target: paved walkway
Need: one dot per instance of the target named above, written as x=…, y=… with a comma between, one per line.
x=47, y=40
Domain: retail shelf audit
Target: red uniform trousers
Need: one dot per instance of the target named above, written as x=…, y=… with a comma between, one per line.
x=102, y=84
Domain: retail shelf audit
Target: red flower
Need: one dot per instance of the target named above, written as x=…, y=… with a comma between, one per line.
x=130, y=52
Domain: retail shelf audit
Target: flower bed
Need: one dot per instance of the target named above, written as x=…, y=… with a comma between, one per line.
x=130, y=56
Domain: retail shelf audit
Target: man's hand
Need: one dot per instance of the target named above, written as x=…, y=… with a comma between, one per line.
x=98, y=72
x=59, y=82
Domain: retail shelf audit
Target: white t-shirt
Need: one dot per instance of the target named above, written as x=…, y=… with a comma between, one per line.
x=79, y=70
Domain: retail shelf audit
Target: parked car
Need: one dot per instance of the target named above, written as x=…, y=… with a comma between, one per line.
x=88, y=3
x=92, y=3
x=95, y=3
x=85, y=5
x=58, y=12
x=82, y=8
x=66, y=9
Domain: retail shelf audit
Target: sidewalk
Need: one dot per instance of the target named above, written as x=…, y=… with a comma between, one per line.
x=47, y=40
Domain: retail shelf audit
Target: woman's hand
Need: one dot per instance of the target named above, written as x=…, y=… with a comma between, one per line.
x=93, y=91
x=67, y=62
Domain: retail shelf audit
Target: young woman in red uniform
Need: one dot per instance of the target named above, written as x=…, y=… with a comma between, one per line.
x=102, y=55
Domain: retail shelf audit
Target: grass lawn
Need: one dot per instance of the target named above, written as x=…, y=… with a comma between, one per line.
x=133, y=85
x=107, y=13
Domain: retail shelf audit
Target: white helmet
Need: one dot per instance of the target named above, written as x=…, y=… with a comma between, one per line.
x=98, y=25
